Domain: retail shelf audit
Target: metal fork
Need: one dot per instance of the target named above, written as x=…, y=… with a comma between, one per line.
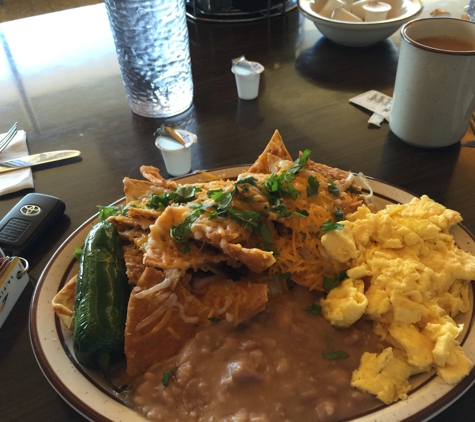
x=8, y=137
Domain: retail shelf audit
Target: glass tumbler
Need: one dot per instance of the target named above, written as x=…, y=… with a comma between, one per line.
x=151, y=41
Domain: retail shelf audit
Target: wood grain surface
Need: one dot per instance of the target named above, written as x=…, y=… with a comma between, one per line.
x=59, y=78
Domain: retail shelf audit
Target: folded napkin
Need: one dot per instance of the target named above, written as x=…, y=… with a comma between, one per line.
x=15, y=180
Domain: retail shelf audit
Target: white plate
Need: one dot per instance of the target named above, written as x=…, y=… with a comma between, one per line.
x=86, y=392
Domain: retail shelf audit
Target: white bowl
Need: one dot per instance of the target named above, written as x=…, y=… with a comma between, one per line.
x=359, y=34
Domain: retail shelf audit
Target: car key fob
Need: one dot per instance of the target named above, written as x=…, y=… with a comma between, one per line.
x=27, y=221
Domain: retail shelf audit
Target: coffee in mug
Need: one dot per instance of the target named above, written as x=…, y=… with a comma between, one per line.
x=434, y=93
x=444, y=42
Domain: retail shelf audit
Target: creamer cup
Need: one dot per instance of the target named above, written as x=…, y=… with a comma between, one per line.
x=376, y=11
x=247, y=75
x=177, y=157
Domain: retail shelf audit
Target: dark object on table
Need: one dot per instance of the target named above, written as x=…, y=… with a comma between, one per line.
x=255, y=5
x=237, y=10
x=27, y=221
x=213, y=6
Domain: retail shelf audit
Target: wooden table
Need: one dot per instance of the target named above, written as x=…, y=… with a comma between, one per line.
x=59, y=78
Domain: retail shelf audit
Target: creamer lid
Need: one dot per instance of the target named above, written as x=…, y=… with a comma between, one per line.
x=241, y=62
x=169, y=139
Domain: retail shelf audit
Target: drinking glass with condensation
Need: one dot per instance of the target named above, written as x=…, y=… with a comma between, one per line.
x=434, y=93
x=247, y=76
x=177, y=157
x=152, y=45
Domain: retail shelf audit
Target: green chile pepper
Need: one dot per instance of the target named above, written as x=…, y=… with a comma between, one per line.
x=100, y=307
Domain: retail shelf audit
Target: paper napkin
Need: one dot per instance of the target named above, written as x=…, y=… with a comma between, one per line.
x=15, y=180
x=380, y=104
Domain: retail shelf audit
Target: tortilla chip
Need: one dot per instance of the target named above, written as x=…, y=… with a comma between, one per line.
x=233, y=301
x=275, y=148
x=134, y=189
x=153, y=175
x=163, y=337
x=327, y=172
x=133, y=258
x=222, y=238
x=255, y=259
x=63, y=303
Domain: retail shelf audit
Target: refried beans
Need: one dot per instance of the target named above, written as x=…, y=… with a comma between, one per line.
x=271, y=368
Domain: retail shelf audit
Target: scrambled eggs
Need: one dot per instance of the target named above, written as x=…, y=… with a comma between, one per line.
x=420, y=280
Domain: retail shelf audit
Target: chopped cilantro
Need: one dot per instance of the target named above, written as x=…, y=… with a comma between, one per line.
x=249, y=180
x=281, y=210
x=216, y=214
x=222, y=198
x=184, y=193
x=265, y=233
x=274, y=188
x=245, y=216
x=300, y=213
x=304, y=236
x=272, y=183
x=313, y=309
x=286, y=276
x=158, y=201
x=301, y=162
x=353, y=190
x=333, y=354
x=109, y=211
x=214, y=319
x=167, y=375
x=77, y=252
x=339, y=216
x=329, y=284
x=266, y=236
x=312, y=187
x=333, y=190
x=180, y=232
x=181, y=195
x=263, y=214
x=331, y=225
x=279, y=185
x=290, y=191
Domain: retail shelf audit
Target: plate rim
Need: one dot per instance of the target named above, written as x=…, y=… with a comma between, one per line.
x=92, y=413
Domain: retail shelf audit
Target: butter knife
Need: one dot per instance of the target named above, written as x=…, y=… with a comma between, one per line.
x=35, y=159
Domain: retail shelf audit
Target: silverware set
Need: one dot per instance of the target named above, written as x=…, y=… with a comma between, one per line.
x=8, y=137
x=31, y=160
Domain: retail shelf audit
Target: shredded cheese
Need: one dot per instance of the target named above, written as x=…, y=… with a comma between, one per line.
x=173, y=333
x=364, y=181
x=164, y=320
x=155, y=315
x=207, y=174
x=301, y=254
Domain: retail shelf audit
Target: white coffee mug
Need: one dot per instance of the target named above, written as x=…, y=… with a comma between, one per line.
x=434, y=93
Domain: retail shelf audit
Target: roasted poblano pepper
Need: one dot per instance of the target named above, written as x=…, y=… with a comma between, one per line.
x=100, y=307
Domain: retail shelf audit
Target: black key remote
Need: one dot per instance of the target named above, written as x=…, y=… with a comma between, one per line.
x=27, y=221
